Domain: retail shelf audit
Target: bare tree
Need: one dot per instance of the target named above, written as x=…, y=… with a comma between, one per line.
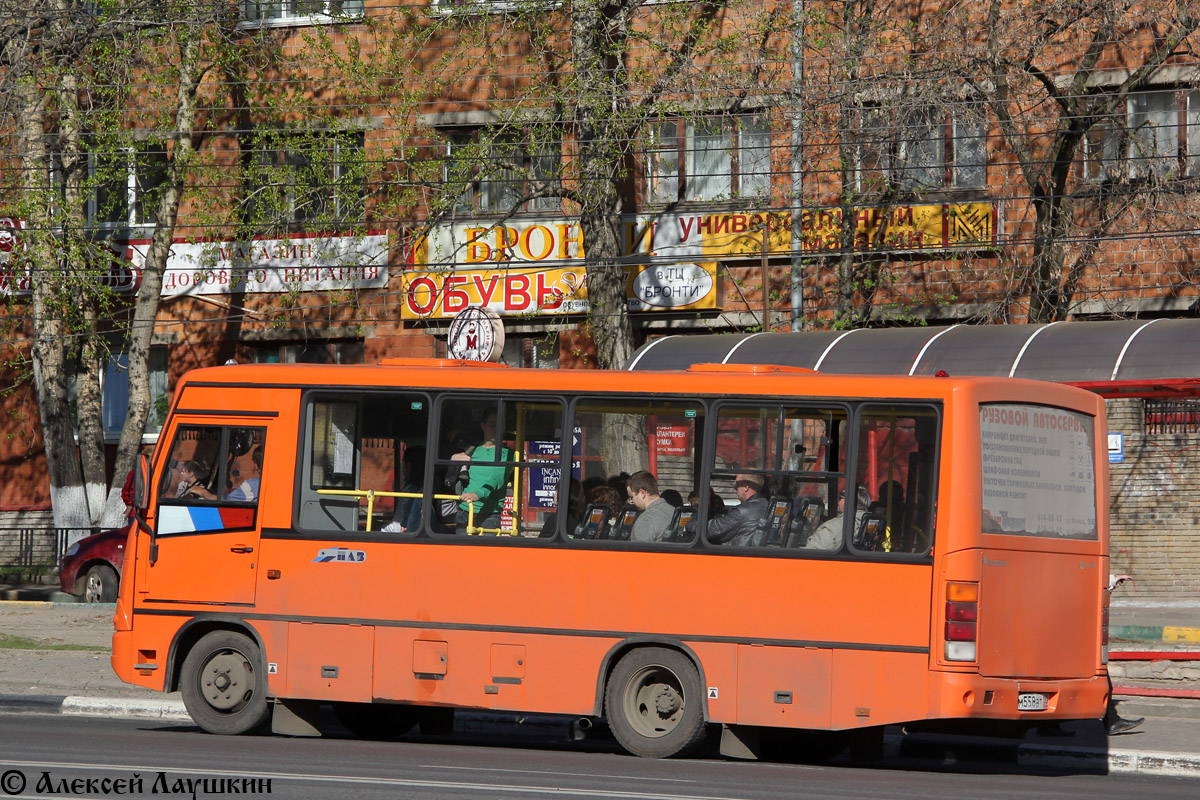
x=1053, y=74
x=77, y=74
x=198, y=36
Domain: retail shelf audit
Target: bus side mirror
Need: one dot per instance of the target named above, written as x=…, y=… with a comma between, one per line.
x=141, y=478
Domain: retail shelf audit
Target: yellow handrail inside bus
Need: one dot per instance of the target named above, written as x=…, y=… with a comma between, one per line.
x=371, y=494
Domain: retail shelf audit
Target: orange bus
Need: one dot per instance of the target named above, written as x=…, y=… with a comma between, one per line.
x=403, y=539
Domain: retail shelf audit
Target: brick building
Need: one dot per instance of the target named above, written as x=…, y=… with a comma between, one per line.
x=412, y=174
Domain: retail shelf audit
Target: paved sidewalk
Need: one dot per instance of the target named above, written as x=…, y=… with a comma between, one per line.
x=82, y=682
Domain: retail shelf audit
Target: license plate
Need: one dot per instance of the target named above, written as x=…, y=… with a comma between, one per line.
x=1030, y=701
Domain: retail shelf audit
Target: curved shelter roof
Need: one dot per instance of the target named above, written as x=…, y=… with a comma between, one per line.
x=1138, y=357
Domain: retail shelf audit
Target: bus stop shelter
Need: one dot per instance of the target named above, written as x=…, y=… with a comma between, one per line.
x=1148, y=371
x=1128, y=358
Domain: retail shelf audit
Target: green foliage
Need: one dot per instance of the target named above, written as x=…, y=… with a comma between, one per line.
x=10, y=641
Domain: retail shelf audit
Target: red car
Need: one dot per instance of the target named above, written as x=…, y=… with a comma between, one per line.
x=92, y=566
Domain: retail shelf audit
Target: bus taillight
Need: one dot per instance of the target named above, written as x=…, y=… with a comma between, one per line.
x=962, y=614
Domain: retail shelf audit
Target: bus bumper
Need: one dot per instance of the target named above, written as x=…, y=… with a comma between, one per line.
x=151, y=675
x=964, y=695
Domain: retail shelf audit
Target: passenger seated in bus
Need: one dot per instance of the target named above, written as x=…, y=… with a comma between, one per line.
x=674, y=498
x=486, y=485
x=655, y=513
x=619, y=482
x=828, y=535
x=746, y=523
x=716, y=506
x=192, y=478
x=576, y=506
x=610, y=497
x=407, y=515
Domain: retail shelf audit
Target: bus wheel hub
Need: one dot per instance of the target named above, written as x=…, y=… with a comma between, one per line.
x=666, y=701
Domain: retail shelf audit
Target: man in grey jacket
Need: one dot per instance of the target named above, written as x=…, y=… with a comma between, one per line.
x=744, y=525
x=828, y=535
x=656, y=513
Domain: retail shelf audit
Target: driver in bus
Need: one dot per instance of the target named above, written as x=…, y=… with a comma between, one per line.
x=744, y=524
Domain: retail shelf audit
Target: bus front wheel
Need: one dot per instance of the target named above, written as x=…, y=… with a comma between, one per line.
x=653, y=703
x=223, y=684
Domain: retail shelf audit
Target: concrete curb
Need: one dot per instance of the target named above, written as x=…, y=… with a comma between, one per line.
x=1161, y=634
x=1114, y=762
x=133, y=708
x=56, y=604
x=128, y=707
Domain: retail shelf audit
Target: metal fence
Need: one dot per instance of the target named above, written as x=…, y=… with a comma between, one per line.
x=29, y=550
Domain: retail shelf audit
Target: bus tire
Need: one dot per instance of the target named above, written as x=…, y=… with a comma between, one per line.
x=224, y=685
x=653, y=702
x=375, y=720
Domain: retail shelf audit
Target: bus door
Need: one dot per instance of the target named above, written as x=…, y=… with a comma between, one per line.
x=205, y=545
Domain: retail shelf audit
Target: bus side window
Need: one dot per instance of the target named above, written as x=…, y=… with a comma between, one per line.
x=616, y=438
x=497, y=470
x=897, y=446
x=795, y=458
x=243, y=472
x=364, y=463
x=392, y=460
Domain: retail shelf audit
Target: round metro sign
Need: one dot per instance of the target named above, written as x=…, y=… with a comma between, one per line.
x=476, y=334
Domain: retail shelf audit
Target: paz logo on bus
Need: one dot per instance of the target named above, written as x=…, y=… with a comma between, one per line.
x=339, y=554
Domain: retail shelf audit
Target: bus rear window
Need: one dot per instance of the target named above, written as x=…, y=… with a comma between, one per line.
x=1038, y=471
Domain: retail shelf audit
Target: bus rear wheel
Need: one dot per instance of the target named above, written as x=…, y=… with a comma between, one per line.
x=223, y=684
x=653, y=703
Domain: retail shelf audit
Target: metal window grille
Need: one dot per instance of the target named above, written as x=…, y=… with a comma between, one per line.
x=1172, y=416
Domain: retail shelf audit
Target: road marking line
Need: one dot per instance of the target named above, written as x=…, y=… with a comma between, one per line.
x=528, y=772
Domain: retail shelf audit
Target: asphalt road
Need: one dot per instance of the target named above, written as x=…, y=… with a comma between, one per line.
x=53, y=756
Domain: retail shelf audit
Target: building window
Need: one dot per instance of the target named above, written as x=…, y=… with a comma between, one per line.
x=923, y=151
x=534, y=352
x=920, y=161
x=312, y=353
x=291, y=12
x=969, y=148
x=502, y=174
x=123, y=186
x=314, y=178
x=1157, y=135
x=114, y=393
x=708, y=159
x=114, y=386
